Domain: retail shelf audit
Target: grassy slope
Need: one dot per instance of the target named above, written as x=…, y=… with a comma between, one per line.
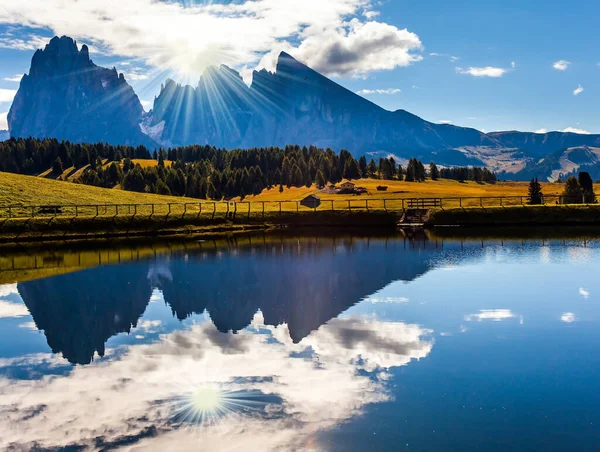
x=427, y=189
x=26, y=190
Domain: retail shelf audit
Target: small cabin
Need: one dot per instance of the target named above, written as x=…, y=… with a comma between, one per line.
x=311, y=201
x=347, y=185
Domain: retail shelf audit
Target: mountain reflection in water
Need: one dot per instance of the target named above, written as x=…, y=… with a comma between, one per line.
x=302, y=283
x=297, y=343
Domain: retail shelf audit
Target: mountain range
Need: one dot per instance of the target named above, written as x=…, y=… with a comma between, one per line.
x=66, y=96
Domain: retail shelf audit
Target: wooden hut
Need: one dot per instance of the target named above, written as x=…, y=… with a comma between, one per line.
x=311, y=201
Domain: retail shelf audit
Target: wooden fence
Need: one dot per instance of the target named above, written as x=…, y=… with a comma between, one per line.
x=213, y=209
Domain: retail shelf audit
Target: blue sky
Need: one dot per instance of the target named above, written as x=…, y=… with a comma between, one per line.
x=494, y=65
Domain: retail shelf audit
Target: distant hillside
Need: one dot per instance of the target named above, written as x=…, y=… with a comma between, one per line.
x=560, y=164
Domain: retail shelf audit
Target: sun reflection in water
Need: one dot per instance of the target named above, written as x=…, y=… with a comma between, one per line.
x=209, y=404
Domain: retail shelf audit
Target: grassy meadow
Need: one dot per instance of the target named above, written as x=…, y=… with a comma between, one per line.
x=30, y=190
x=396, y=190
x=16, y=189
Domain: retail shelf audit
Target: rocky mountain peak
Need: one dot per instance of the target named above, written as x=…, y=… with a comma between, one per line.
x=66, y=96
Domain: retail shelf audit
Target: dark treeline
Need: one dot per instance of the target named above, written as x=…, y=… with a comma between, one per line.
x=468, y=173
x=206, y=172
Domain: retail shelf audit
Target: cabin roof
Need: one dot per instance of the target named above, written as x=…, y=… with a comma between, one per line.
x=315, y=197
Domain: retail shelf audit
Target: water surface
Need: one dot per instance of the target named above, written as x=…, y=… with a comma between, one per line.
x=303, y=343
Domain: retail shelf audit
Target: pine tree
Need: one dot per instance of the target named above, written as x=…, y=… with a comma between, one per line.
x=351, y=170
x=573, y=193
x=162, y=189
x=535, y=196
x=362, y=166
x=434, y=172
x=372, y=169
x=587, y=187
x=57, y=168
x=400, y=173
x=320, y=179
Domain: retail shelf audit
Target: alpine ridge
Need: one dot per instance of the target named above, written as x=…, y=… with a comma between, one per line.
x=66, y=96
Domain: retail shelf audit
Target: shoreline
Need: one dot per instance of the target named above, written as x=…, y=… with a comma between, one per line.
x=83, y=229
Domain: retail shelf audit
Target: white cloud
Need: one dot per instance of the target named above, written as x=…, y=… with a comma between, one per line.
x=8, y=289
x=344, y=368
x=336, y=37
x=376, y=300
x=575, y=130
x=561, y=65
x=9, y=310
x=452, y=58
x=366, y=92
x=488, y=71
x=7, y=95
x=354, y=49
x=584, y=293
x=147, y=104
x=578, y=90
x=4, y=121
x=32, y=42
x=496, y=315
x=513, y=64
x=16, y=79
x=444, y=121
x=568, y=317
x=567, y=130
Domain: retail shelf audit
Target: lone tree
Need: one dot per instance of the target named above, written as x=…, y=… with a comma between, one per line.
x=587, y=187
x=434, y=172
x=536, y=196
x=573, y=193
x=57, y=167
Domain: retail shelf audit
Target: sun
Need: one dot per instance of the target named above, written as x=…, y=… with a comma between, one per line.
x=206, y=399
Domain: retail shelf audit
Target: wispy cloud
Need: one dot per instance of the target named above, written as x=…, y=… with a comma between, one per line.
x=489, y=71
x=444, y=121
x=541, y=131
x=366, y=92
x=4, y=121
x=496, y=315
x=16, y=79
x=561, y=65
x=584, y=293
x=578, y=90
x=452, y=58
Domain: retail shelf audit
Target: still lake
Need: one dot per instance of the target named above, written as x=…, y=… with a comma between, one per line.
x=275, y=342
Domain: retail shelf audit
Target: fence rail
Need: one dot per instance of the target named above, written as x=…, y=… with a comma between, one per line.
x=232, y=209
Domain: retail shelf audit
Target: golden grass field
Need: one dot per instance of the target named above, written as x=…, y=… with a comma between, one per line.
x=428, y=189
x=30, y=190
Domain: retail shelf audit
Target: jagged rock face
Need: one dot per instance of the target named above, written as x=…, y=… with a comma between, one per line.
x=294, y=105
x=4, y=135
x=66, y=96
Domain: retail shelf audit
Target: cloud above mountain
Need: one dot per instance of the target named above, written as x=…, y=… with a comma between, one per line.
x=336, y=37
x=488, y=71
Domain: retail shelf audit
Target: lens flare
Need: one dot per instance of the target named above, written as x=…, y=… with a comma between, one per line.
x=210, y=403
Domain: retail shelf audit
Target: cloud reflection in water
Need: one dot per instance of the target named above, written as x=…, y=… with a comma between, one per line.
x=279, y=393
